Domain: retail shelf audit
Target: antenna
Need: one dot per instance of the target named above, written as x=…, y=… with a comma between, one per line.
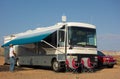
x=91, y=19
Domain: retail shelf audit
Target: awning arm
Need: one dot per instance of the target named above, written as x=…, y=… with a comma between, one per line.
x=51, y=45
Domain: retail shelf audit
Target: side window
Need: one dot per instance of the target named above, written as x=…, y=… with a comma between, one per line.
x=61, y=38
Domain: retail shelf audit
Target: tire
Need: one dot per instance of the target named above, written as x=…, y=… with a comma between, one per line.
x=56, y=66
x=110, y=66
x=100, y=64
x=17, y=63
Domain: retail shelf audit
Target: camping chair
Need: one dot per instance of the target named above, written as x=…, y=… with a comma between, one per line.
x=71, y=64
x=87, y=65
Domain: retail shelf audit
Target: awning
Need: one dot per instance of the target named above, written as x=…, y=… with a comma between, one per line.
x=27, y=39
x=32, y=37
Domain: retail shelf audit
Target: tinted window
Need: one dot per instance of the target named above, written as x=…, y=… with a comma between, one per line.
x=100, y=53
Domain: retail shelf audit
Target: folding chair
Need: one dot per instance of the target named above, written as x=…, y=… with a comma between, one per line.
x=87, y=65
x=71, y=64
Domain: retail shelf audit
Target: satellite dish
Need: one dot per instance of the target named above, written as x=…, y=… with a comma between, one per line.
x=64, y=18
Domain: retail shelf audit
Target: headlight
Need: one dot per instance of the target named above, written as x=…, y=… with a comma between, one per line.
x=96, y=58
x=107, y=58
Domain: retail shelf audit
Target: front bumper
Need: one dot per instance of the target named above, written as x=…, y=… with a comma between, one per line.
x=109, y=63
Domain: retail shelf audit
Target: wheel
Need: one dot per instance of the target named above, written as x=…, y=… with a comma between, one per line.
x=56, y=66
x=17, y=63
x=110, y=66
x=100, y=64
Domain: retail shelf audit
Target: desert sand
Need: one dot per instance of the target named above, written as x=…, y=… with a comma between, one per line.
x=47, y=73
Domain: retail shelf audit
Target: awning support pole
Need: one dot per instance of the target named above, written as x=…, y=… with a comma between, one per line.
x=51, y=45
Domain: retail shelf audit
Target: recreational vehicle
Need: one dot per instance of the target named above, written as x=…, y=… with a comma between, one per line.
x=50, y=46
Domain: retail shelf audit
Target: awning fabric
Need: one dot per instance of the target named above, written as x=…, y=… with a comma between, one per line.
x=30, y=38
x=27, y=40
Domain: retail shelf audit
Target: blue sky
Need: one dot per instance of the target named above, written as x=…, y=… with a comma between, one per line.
x=20, y=15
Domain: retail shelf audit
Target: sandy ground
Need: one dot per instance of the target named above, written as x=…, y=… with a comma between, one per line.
x=45, y=73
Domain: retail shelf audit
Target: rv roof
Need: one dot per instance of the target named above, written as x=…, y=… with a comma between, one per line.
x=56, y=26
x=79, y=24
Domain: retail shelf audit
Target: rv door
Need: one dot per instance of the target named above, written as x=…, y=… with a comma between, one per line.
x=61, y=44
x=61, y=38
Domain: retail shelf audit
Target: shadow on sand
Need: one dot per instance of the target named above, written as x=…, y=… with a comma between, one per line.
x=5, y=68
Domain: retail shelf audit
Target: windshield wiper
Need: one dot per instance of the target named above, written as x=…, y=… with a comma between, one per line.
x=91, y=46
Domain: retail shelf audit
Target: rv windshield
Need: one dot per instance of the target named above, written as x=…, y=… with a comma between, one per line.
x=79, y=36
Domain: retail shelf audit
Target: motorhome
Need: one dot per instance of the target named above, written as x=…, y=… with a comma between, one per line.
x=49, y=46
